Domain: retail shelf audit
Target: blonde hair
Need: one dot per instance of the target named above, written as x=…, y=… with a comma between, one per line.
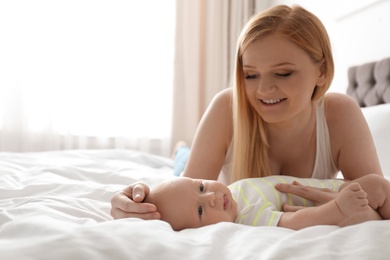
x=250, y=145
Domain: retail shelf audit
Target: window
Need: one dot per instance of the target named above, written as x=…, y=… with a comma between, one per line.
x=92, y=68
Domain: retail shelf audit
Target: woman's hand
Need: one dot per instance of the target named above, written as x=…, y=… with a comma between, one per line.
x=127, y=203
x=318, y=196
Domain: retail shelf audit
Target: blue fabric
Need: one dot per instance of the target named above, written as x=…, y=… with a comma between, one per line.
x=180, y=160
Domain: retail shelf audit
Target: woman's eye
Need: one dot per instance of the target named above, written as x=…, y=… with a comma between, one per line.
x=200, y=211
x=201, y=187
x=283, y=75
x=254, y=76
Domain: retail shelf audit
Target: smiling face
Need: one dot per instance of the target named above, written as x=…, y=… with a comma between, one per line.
x=191, y=203
x=280, y=78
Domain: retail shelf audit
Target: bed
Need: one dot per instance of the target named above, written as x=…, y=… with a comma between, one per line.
x=55, y=205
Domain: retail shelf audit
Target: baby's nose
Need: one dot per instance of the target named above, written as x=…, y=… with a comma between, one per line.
x=211, y=198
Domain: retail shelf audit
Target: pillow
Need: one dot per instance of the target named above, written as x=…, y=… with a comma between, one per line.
x=378, y=119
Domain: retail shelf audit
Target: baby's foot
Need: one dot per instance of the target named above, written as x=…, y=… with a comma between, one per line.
x=177, y=147
x=352, y=200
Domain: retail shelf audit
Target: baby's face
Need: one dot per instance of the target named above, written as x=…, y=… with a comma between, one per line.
x=191, y=203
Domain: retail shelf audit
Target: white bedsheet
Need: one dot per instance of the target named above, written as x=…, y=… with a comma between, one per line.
x=55, y=205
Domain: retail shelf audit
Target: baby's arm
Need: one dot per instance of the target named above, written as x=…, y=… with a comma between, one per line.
x=349, y=207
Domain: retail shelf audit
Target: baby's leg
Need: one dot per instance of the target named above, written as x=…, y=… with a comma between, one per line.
x=353, y=204
x=378, y=193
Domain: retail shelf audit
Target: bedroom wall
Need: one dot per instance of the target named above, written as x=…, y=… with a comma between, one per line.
x=358, y=30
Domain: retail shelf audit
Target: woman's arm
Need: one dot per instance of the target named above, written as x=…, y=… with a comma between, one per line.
x=212, y=139
x=127, y=203
x=352, y=144
x=326, y=214
x=349, y=207
x=207, y=155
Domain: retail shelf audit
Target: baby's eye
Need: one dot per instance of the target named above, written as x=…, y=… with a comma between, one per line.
x=200, y=211
x=201, y=187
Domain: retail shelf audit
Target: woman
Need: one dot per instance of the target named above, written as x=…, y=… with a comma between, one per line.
x=276, y=120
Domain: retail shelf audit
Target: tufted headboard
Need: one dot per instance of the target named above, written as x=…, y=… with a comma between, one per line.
x=369, y=83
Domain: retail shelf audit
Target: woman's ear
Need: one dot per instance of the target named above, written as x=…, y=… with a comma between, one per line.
x=322, y=76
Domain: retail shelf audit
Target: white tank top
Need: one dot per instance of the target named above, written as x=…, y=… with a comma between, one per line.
x=324, y=167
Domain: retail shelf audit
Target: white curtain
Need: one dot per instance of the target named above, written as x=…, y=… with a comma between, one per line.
x=87, y=74
x=206, y=36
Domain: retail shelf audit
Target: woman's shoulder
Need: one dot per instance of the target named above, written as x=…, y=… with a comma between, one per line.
x=224, y=95
x=343, y=114
x=352, y=145
x=339, y=106
x=340, y=99
x=222, y=101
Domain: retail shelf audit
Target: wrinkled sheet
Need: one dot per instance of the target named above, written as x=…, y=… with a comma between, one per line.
x=55, y=205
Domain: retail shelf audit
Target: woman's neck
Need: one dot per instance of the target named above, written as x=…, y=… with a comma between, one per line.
x=294, y=129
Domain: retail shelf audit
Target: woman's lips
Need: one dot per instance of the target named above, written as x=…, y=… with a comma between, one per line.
x=272, y=101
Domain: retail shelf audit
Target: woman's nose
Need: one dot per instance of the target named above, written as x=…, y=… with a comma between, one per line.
x=266, y=86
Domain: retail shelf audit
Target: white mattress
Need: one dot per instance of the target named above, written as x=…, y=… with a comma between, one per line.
x=55, y=205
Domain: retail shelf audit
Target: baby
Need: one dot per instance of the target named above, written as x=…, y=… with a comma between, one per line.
x=192, y=203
